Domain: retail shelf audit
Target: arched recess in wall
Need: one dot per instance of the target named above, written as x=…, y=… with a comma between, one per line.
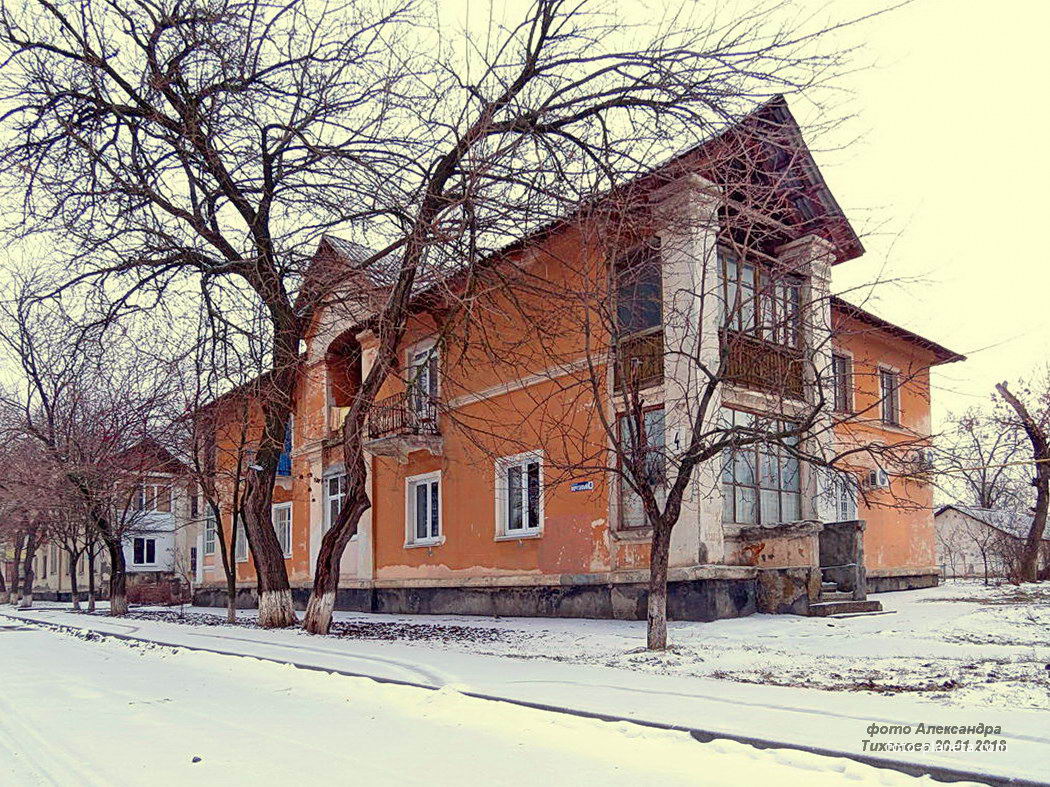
x=343, y=367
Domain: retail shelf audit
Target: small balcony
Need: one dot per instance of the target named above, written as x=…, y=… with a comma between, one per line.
x=639, y=361
x=756, y=363
x=403, y=423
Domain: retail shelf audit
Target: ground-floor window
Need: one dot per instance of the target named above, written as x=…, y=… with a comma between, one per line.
x=760, y=482
x=844, y=493
x=240, y=549
x=650, y=446
x=282, y=525
x=211, y=527
x=519, y=494
x=144, y=551
x=423, y=508
x=334, y=492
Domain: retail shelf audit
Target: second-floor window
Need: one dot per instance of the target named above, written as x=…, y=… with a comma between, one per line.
x=423, y=381
x=761, y=302
x=153, y=497
x=889, y=392
x=841, y=383
x=240, y=548
x=639, y=289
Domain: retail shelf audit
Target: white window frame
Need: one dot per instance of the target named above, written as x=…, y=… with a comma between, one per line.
x=211, y=530
x=503, y=532
x=241, y=549
x=327, y=497
x=411, y=482
x=287, y=547
x=844, y=497
x=144, y=562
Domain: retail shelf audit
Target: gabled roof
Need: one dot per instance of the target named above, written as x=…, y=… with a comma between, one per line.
x=941, y=353
x=1011, y=522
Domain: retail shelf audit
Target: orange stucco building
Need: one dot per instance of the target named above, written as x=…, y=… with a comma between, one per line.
x=490, y=476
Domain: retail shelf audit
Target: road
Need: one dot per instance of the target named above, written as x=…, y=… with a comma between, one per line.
x=78, y=711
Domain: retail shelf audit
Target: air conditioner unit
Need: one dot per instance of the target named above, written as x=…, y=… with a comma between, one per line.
x=878, y=479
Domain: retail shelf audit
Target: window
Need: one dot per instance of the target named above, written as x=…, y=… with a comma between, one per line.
x=889, y=386
x=334, y=492
x=841, y=383
x=284, y=461
x=153, y=497
x=649, y=448
x=210, y=528
x=761, y=302
x=423, y=380
x=195, y=506
x=144, y=551
x=240, y=549
x=519, y=494
x=282, y=525
x=423, y=509
x=760, y=482
x=639, y=289
x=844, y=492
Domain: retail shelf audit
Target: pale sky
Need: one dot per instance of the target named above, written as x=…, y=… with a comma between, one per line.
x=952, y=163
x=941, y=169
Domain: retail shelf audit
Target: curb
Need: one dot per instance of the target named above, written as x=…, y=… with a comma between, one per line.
x=936, y=772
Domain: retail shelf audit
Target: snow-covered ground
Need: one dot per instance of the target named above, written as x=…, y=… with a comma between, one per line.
x=107, y=712
x=958, y=644
x=957, y=655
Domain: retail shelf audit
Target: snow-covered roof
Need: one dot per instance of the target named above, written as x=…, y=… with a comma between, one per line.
x=1009, y=521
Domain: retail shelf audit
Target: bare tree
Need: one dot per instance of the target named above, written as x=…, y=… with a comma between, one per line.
x=980, y=461
x=88, y=407
x=215, y=142
x=1033, y=420
x=561, y=104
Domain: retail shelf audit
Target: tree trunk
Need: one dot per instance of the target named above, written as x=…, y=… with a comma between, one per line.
x=656, y=628
x=118, y=579
x=275, y=593
x=74, y=594
x=1030, y=554
x=17, y=568
x=91, y=580
x=231, y=597
x=27, y=572
x=318, y=618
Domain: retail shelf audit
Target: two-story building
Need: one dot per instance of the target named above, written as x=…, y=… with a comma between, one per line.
x=489, y=472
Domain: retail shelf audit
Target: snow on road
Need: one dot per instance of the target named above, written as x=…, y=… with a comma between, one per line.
x=104, y=712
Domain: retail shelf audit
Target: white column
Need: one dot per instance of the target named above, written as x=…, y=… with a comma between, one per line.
x=811, y=256
x=691, y=315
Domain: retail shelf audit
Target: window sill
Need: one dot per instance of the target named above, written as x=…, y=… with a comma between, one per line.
x=429, y=542
x=523, y=536
x=633, y=534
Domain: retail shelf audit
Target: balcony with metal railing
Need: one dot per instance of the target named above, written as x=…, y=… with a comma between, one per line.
x=403, y=423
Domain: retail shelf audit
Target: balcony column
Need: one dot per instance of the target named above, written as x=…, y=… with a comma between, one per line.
x=811, y=256
x=691, y=315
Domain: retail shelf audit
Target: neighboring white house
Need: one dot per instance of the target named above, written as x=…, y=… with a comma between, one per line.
x=983, y=542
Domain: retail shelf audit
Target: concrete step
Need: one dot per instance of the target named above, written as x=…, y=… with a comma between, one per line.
x=823, y=609
x=835, y=595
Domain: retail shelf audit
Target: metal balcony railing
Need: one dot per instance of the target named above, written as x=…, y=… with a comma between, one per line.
x=405, y=413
